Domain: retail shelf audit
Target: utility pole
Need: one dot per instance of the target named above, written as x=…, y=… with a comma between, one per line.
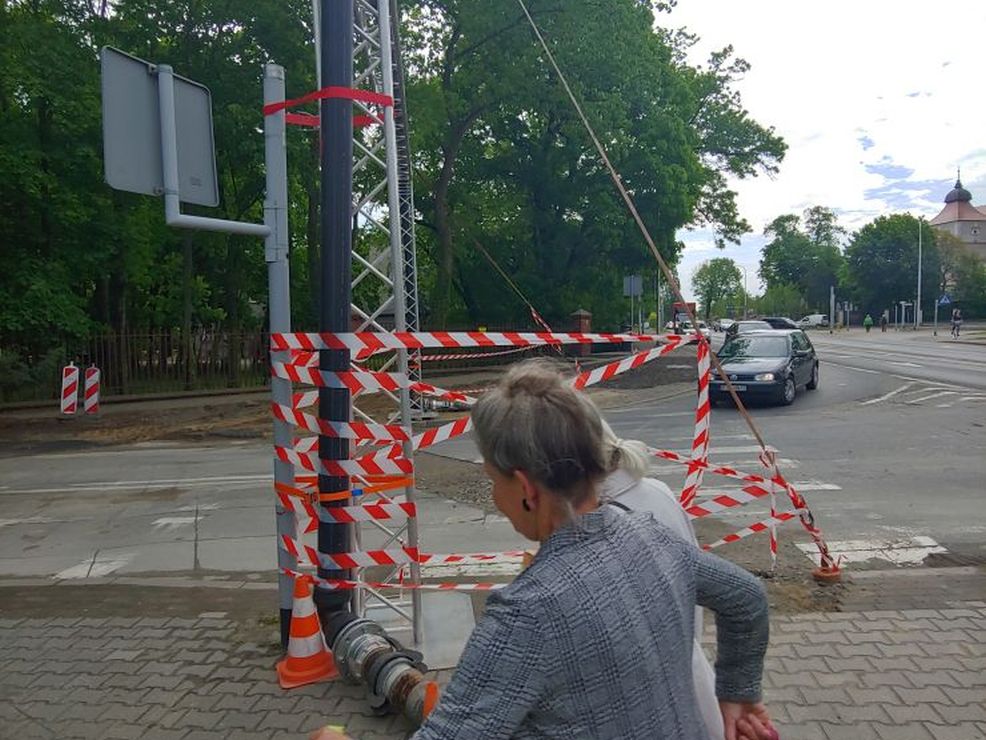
x=917, y=302
x=279, y=310
x=336, y=62
x=831, y=309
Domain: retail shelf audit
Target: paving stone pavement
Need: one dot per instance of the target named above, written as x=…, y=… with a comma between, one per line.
x=912, y=674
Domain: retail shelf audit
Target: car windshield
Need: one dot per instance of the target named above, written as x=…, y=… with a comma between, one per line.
x=757, y=346
x=745, y=326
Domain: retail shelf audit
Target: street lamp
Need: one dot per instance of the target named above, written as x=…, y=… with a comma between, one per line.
x=743, y=268
x=917, y=302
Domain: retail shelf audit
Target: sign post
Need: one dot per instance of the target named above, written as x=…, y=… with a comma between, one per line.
x=945, y=300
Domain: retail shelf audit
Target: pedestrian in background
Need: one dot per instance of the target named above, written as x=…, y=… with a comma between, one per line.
x=883, y=322
x=868, y=323
x=956, y=322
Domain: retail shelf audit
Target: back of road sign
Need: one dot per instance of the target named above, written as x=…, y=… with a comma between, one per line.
x=132, y=131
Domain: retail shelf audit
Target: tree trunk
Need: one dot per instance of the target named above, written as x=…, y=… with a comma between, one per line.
x=443, y=227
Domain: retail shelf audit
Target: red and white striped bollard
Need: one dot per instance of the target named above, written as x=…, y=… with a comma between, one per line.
x=70, y=389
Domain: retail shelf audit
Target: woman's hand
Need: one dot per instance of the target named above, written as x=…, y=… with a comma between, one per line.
x=745, y=721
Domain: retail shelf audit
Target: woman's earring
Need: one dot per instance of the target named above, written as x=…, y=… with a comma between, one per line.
x=527, y=506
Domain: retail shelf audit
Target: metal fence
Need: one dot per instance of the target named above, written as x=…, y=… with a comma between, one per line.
x=151, y=362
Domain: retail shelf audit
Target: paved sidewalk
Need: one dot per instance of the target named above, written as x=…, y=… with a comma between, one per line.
x=914, y=674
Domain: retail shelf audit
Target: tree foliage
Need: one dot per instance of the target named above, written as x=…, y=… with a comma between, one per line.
x=803, y=252
x=715, y=280
x=499, y=157
x=881, y=263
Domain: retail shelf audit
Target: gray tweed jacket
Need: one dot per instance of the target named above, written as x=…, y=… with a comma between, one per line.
x=594, y=639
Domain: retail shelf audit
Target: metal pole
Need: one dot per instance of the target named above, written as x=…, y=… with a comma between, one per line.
x=917, y=303
x=660, y=301
x=831, y=309
x=936, y=316
x=169, y=168
x=397, y=268
x=336, y=59
x=279, y=307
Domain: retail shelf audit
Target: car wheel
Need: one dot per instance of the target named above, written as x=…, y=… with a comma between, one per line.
x=813, y=383
x=789, y=391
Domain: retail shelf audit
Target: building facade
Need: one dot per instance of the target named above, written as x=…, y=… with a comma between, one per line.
x=963, y=220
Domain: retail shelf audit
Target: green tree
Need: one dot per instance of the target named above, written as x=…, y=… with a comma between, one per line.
x=504, y=158
x=881, y=263
x=804, y=255
x=714, y=280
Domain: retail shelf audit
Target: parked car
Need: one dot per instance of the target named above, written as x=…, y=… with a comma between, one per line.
x=769, y=365
x=780, y=322
x=814, y=320
x=744, y=327
x=723, y=324
x=685, y=327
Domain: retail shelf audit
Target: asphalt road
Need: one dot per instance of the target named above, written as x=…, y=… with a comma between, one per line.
x=888, y=452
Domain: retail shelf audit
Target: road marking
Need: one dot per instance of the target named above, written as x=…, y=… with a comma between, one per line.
x=884, y=397
x=172, y=523
x=933, y=395
x=973, y=398
x=937, y=383
x=905, y=364
x=122, y=486
x=95, y=566
x=175, y=481
x=943, y=406
x=858, y=369
x=911, y=551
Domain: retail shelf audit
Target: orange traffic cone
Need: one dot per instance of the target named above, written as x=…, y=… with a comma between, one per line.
x=307, y=660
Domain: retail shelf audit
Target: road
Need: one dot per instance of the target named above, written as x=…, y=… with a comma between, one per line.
x=888, y=452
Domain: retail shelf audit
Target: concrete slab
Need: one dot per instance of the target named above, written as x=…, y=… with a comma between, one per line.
x=448, y=620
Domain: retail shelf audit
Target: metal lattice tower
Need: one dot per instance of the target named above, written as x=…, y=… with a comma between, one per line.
x=384, y=257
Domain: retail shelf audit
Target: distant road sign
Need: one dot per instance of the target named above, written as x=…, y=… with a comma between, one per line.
x=944, y=300
x=132, y=131
x=633, y=285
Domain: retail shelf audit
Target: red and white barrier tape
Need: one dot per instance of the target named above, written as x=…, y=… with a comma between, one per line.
x=382, y=342
x=309, y=555
x=348, y=514
x=348, y=430
x=769, y=461
x=363, y=380
x=369, y=464
x=612, y=369
x=70, y=389
x=766, y=524
x=473, y=355
x=378, y=586
x=90, y=404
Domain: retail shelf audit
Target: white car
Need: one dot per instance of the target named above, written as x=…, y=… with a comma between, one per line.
x=814, y=320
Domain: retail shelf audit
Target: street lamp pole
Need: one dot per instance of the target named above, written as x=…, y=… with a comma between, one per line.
x=743, y=268
x=917, y=302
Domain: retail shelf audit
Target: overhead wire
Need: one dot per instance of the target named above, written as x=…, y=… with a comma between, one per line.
x=628, y=200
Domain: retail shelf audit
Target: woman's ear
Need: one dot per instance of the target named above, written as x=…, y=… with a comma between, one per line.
x=528, y=486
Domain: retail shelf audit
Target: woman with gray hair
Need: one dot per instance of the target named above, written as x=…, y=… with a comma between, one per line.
x=594, y=639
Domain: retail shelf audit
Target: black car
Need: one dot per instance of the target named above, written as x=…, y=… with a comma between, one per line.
x=770, y=365
x=780, y=322
x=744, y=327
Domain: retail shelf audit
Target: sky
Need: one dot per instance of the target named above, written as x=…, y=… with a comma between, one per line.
x=878, y=100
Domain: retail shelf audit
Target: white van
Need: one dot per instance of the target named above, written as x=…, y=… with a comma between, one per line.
x=814, y=320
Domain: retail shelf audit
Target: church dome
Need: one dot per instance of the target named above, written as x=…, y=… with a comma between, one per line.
x=958, y=194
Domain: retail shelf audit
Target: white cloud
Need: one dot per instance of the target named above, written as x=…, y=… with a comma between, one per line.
x=878, y=101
